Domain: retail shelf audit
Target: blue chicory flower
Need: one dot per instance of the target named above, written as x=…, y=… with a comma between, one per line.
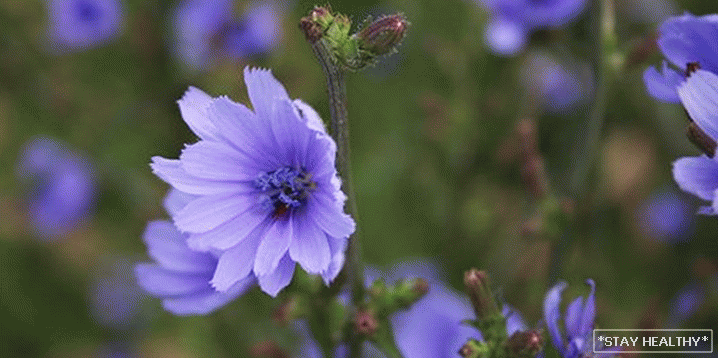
x=116, y=299
x=684, y=305
x=699, y=175
x=182, y=277
x=512, y=21
x=267, y=191
x=433, y=326
x=206, y=31
x=579, y=320
x=80, y=24
x=559, y=87
x=683, y=39
x=666, y=216
x=63, y=186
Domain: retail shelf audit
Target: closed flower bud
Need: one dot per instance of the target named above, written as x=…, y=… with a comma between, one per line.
x=473, y=349
x=477, y=284
x=383, y=35
x=365, y=322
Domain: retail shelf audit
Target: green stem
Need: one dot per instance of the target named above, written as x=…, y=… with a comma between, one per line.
x=608, y=63
x=339, y=127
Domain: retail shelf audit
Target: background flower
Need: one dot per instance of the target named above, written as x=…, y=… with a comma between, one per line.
x=560, y=87
x=666, y=216
x=79, y=24
x=206, y=31
x=512, y=21
x=268, y=195
x=116, y=299
x=62, y=191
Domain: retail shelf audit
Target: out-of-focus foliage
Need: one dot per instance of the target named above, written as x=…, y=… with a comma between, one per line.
x=436, y=167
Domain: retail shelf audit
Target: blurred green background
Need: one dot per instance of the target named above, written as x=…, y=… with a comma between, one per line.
x=435, y=167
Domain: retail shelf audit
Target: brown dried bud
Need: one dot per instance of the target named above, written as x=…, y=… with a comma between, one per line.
x=691, y=68
x=365, y=322
x=383, y=35
x=312, y=31
x=525, y=344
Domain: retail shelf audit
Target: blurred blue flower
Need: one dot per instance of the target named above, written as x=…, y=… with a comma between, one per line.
x=63, y=187
x=559, y=87
x=666, y=216
x=268, y=194
x=683, y=40
x=699, y=175
x=116, y=299
x=80, y=24
x=207, y=30
x=182, y=277
x=433, y=326
x=578, y=320
x=512, y=21
x=684, y=305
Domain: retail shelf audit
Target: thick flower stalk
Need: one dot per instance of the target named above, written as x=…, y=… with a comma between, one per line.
x=267, y=194
x=80, y=24
x=180, y=276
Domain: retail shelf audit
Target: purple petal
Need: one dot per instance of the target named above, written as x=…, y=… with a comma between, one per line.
x=208, y=301
x=161, y=282
x=589, y=310
x=236, y=263
x=171, y=171
x=264, y=90
x=552, y=314
x=708, y=210
x=217, y=161
x=697, y=175
x=573, y=317
x=688, y=38
x=699, y=94
x=167, y=246
x=287, y=133
x=505, y=37
x=193, y=107
x=309, y=246
x=329, y=216
x=514, y=321
x=231, y=232
x=208, y=212
x=246, y=132
x=663, y=86
x=273, y=247
x=274, y=282
x=338, y=247
x=175, y=200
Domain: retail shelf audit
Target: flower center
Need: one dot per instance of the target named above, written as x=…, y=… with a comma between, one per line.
x=87, y=11
x=284, y=189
